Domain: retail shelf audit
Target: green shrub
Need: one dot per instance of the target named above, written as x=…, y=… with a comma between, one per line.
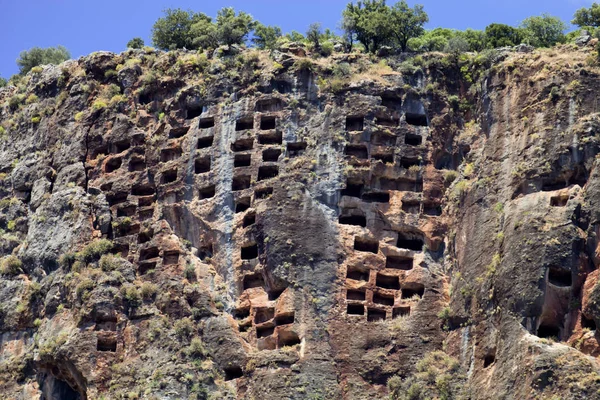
x=326, y=49
x=15, y=101
x=189, y=272
x=109, y=262
x=149, y=290
x=37, y=70
x=99, y=105
x=79, y=116
x=32, y=98
x=450, y=176
x=111, y=73
x=36, y=119
x=184, y=328
x=196, y=348
x=304, y=64
x=94, y=250
x=132, y=295
x=11, y=265
x=84, y=288
x=66, y=260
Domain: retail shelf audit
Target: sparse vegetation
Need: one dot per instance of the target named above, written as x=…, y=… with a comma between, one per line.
x=11, y=265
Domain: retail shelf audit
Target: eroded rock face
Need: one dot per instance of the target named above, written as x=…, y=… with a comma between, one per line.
x=191, y=228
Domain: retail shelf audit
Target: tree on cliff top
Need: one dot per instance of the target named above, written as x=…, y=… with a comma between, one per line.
x=232, y=28
x=265, y=37
x=374, y=24
x=173, y=31
x=544, y=30
x=407, y=22
x=185, y=29
x=587, y=17
x=39, y=56
x=135, y=43
x=368, y=22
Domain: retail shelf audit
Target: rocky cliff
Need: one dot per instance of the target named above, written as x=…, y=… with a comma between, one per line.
x=257, y=225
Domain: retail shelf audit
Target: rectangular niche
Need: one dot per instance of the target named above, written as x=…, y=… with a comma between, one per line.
x=353, y=189
x=240, y=182
x=353, y=219
x=357, y=274
x=271, y=155
x=169, y=176
x=242, y=160
x=242, y=145
x=374, y=315
x=401, y=312
x=206, y=123
x=207, y=192
x=296, y=149
x=273, y=137
x=357, y=150
x=366, y=245
x=376, y=197
x=167, y=155
x=171, y=258
x=413, y=140
x=176, y=133
x=284, y=319
x=399, y=262
x=262, y=315
x=355, y=309
x=411, y=290
x=253, y=281
x=249, y=219
x=249, y=251
x=205, y=142
x=193, y=112
x=416, y=119
x=355, y=124
x=263, y=193
x=267, y=172
x=149, y=253
x=267, y=123
x=358, y=295
x=561, y=277
x=410, y=241
x=383, y=299
x=202, y=165
x=387, y=281
x=106, y=343
x=242, y=204
x=243, y=124
x=266, y=105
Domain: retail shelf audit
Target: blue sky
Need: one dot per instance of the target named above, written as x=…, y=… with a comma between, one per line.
x=85, y=26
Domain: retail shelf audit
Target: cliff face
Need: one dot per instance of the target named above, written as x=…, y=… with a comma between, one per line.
x=269, y=226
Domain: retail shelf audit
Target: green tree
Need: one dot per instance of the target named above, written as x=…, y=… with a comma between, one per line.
x=475, y=38
x=407, y=22
x=173, y=31
x=3, y=82
x=544, y=30
x=433, y=40
x=265, y=37
x=457, y=45
x=232, y=28
x=313, y=35
x=38, y=56
x=135, y=43
x=500, y=35
x=204, y=33
x=368, y=22
x=587, y=17
x=295, y=36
